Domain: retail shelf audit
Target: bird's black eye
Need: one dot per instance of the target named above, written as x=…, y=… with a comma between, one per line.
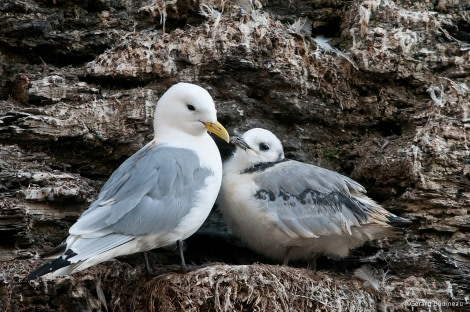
x=263, y=147
x=191, y=107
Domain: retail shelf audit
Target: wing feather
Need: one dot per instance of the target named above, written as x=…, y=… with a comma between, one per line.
x=86, y=248
x=308, y=201
x=139, y=197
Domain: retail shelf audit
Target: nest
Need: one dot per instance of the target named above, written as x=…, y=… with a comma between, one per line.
x=255, y=288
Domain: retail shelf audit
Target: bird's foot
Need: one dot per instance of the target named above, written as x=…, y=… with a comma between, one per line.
x=190, y=268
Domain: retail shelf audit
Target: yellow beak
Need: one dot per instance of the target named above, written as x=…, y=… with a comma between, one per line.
x=217, y=129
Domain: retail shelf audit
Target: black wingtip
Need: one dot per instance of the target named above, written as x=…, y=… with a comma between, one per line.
x=47, y=267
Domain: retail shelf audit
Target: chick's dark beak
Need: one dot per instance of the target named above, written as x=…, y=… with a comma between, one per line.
x=239, y=142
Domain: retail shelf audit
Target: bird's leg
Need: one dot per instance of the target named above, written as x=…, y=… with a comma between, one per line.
x=286, y=257
x=187, y=268
x=314, y=263
x=184, y=267
x=149, y=271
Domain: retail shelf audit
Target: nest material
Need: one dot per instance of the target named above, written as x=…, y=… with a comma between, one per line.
x=256, y=288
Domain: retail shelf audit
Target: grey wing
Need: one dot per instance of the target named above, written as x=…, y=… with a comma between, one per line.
x=308, y=201
x=297, y=176
x=149, y=193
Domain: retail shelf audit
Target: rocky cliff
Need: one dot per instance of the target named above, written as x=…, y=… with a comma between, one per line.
x=378, y=90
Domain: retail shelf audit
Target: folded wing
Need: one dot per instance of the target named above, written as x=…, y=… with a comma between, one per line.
x=148, y=194
x=307, y=201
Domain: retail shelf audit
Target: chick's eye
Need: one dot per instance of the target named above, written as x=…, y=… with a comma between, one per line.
x=263, y=147
x=191, y=107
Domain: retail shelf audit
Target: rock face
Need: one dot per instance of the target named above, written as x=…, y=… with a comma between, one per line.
x=385, y=100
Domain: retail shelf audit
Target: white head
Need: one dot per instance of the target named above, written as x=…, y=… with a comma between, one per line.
x=257, y=146
x=188, y=108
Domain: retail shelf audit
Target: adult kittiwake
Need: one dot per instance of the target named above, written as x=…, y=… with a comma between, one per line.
x=160, y=195
x=289, y=210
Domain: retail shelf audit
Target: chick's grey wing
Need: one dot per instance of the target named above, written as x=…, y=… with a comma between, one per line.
x=308, y=201
x=149, y=193
x=298, y=176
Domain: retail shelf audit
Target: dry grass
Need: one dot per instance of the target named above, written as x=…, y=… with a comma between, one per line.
x=256, y=288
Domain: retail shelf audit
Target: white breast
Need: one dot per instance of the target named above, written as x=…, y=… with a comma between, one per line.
x=246, y=218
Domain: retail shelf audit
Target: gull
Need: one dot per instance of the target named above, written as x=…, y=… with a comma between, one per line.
x=160, y=195
x=289, y=210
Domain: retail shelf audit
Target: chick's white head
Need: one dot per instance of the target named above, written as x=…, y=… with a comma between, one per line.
x=256, y=146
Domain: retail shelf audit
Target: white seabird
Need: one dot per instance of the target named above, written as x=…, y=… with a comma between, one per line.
x=289, y=210
x=160, y=195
